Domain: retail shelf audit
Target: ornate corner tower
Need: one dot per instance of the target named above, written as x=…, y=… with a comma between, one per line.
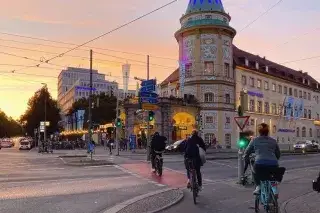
x=206, y=66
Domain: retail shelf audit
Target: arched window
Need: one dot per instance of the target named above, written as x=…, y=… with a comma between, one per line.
x=228, y=98
x=309, y=114
x=310, y=132
x=208, y=97
x=274, y=129
x=298, y=132
x=304, y=132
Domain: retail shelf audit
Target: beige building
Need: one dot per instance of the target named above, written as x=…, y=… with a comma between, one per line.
x=214, y=71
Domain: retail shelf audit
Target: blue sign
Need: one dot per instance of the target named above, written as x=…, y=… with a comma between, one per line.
x=148, y=95
x=149, y=88
x=151, y=82
x=286, y=130
x=258, y=94
x=85, y=88
x=149, y=100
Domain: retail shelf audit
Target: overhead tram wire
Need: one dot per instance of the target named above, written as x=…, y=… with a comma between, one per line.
x=261, y=15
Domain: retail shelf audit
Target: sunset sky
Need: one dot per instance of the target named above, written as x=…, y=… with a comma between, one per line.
x=290, y=31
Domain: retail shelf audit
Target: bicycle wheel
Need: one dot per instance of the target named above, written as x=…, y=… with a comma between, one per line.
x=275, y=204
x=194, y=187
x=257, y=204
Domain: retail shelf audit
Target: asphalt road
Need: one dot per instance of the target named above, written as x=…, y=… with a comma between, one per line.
x=41, y=183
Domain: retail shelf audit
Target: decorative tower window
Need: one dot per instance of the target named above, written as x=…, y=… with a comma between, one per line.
x=188, y=70
x=208, y=68
x=208, y=97
x=228, y=98
x=227, y=70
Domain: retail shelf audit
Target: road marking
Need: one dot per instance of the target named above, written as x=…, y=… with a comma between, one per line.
x=88, y=167
x=222, y=164
x=45, y=169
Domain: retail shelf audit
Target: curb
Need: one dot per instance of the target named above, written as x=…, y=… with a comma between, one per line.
x=123, y=205
x=284, y=204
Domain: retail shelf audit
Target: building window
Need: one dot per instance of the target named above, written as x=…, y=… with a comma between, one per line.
x=252, y=122
x=208, y=16
x=310, y=132
x=251, y=106
x=266, y=107
x=305, y=113
x=274, y=129
x=188, y=70
x=274, y=87
x=285, y=90
x=209, y=97
x=227, y=70
x=298, y=132
x=227, y=138
x=295, y=93
x=300, y=94
x=251, y=82
x=208, y=68
x=304, y=132
x=305, y=95
x=274, y=109
x=208, y=138
x=259, y=83
x=309, y=114
x=228, y=98
x=259, y=106
x=309, y=96
x=290, y=91
x=244, y=80
x=209, y=119
x=280, y=89
x=266, y=85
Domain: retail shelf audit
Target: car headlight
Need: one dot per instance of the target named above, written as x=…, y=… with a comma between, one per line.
x=175, y=147
x=303, y=145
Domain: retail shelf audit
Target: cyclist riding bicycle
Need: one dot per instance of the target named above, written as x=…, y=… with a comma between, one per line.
x=191, y=152
x=267, y=154
x=158, y=144
x=249, y=138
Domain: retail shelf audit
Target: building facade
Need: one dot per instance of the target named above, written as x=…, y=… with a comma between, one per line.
x=215, y=72
x=73, y=84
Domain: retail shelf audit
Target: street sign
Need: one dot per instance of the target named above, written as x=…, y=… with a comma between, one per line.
x=149, y=88
x=241, y=121
x=42, y=123
x=150, y=107
x=148, y=94
x=149, y=100
x=148, y=82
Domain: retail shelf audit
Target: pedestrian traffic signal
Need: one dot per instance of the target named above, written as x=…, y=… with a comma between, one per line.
x=151, y=115
x=118, y=122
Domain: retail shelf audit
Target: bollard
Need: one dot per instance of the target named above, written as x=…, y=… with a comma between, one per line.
x=240, y=165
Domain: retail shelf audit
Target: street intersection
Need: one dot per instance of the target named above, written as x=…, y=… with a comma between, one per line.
x=33, y=182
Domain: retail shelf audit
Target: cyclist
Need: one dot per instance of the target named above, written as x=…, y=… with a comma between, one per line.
x=191, y=151
x=267, y=154
x=249, y=138
x=158, y=143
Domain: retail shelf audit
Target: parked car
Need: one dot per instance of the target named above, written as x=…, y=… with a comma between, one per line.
x=175, y=147
x=306, y=146
x=6, y=143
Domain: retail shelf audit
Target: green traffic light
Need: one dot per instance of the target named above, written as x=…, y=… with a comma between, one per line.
x=241, y=143
x=151, y=116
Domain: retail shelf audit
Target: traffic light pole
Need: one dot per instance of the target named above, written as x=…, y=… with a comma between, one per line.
x=240, y=164
x=117, y=127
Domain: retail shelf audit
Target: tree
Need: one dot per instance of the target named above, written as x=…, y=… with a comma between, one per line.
x=103, y=111
x=9, y=127
x=35, y=112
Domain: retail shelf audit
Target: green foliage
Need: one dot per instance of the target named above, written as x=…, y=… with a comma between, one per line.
x=35, y=112
x=9, y=127
x=103, y=113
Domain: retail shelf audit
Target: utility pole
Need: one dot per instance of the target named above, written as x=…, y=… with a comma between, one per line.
x=148, y=122
x=90, y=104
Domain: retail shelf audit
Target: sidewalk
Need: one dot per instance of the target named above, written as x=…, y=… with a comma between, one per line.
x=307, y=203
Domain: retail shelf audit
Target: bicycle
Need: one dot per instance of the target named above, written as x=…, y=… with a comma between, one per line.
x=194, y=188
x=158, y=163
x=268, y=196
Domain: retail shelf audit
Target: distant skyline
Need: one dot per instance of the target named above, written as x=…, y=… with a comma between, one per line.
x=290, y=31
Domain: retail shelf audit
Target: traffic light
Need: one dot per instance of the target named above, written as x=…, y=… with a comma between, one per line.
x=151, y=115
x=118, y=122
x=243, y=141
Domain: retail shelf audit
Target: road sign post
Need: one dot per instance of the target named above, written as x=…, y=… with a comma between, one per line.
x=241, y=121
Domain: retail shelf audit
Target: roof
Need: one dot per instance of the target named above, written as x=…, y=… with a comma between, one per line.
x=274, y=69
x=171, y=78
x=205, y=6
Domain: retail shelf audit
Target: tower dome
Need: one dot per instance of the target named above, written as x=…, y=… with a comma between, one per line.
x=205, y=6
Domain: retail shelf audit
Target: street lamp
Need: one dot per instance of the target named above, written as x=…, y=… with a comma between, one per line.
x=45, y=115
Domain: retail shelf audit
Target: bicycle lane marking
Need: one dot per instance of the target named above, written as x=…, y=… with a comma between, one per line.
x=168, y=178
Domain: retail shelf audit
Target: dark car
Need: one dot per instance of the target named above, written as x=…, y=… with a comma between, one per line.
x=175, y=147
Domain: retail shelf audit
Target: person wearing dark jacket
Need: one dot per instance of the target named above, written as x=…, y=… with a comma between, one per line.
x=191, y=152
x=158, y=144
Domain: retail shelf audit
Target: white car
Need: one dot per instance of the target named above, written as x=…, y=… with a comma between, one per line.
x=25, y=145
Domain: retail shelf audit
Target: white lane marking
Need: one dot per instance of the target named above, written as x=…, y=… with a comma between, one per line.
x=45, y=169
x=88, y=167
x=222, y=164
